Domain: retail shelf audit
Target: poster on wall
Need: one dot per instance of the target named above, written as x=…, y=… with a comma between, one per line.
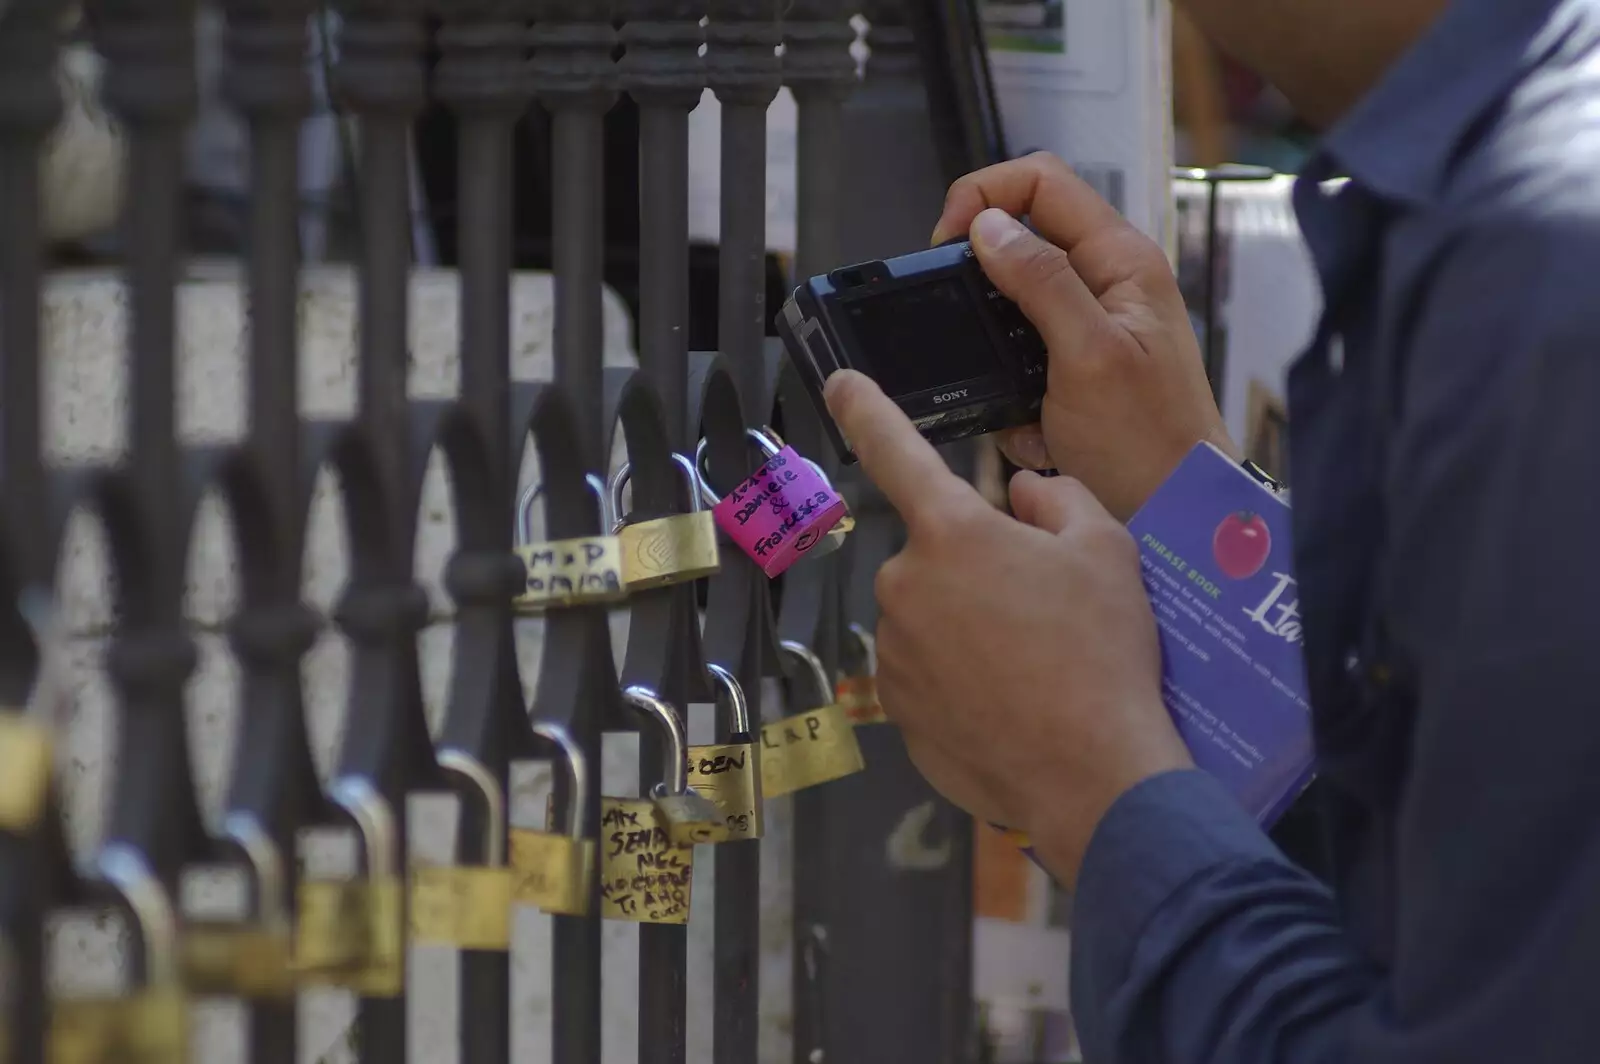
x=1089, y=81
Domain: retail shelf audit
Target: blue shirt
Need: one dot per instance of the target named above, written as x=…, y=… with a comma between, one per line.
x=1445, y=461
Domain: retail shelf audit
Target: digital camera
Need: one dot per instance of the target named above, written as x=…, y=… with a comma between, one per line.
x=941, y=341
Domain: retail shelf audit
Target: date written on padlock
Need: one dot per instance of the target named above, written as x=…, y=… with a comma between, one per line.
x=147, y=1027
x=808, y=749
x=237, y=960
x=25, y=762
x=859, y=697
x=551, y=872
x=780, y=513
x=464, y=907
x=730, y=775
x=350, y=934
x=645, y=876
x=571, y=572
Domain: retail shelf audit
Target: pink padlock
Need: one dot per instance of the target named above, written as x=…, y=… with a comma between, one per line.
x=784, y=509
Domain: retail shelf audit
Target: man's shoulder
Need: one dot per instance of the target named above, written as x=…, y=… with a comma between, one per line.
x=1533, y=163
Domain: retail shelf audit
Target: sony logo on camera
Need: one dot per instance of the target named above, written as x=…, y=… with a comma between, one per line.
x=950, y=397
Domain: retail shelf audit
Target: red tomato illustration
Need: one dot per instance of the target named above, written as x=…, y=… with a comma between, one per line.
x=1241, y=545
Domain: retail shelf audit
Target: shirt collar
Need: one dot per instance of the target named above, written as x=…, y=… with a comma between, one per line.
x=1400, y=138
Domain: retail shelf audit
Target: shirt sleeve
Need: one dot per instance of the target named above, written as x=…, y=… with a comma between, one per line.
x=1197, y=942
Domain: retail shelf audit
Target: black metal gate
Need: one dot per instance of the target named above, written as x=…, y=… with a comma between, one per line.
x=880, y=953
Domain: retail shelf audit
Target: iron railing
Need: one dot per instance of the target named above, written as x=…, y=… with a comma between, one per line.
x=879, y=953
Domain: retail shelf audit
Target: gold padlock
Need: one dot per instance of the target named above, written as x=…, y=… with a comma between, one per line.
x=666, y=550
x=730, y=773
x=645, y=875
x=690, y=817
x=554, y=871
x=813, y=747
x=150, y=1026
x=25, y=765
x=245, y=959
x=467, y=906
x=857, y=689
x=581, y=571
x=237, y=960
x=351, y=932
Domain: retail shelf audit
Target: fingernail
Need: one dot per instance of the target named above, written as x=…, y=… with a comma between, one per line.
x=831, y=386
x=1028, y=450
x=993, y=229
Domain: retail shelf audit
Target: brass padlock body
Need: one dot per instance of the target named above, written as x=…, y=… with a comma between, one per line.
x=237, y=960
x=147, y=1027
x=669, y=550
x=551, y=872
x=465, y=906
x=808, y=749
x=729, y=774
x=692, y=819
x=350, y=933
x=645, y=876
x=584, y=571
x=25, y=764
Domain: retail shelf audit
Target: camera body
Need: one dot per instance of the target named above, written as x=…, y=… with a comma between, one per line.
x=941, y=341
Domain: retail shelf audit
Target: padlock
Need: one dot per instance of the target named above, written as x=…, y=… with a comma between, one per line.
x=245, y=959
x=857, y=690
x=691, y=818
x=665, y=550
x=730, y=773
x=554, y=871
x=645, y=876
x=467, y=906
x=25, y=765
x=148, y=1024
x=581, y=571
x=351, y=932
x=813, y=747
x=782, y=512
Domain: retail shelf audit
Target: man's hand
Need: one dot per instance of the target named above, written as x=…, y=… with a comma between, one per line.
x=1019, y=657
x=1128, y=396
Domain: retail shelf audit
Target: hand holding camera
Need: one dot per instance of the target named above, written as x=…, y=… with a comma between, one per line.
x=1127, y=395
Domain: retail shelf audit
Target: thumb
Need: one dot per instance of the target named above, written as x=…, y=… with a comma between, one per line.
x=1037, y=276
x=1050, y=503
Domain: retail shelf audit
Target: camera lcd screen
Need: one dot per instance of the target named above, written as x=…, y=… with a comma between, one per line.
x=920, y=337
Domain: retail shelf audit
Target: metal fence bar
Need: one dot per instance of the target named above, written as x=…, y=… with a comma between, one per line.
x=29, y=107
x=743, y=69
x=574, y=77
x=820, y=72
x=482, y=77
x=154, y=827
x=663, y=72
x=273, y=789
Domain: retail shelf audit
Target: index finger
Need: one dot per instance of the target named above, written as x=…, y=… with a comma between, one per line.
x=903, y=465
x=1062, y=206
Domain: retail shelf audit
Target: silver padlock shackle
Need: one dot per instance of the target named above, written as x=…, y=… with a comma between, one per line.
x=374, y=820
x=266, y=863
x=569, y=751
x=624, y=473
x=674, y=770
x=868, y=643
x=763, y=437
x=808, y=660
x=128, y=872
x=530, y=495
x=482, y=780
x=738, y=705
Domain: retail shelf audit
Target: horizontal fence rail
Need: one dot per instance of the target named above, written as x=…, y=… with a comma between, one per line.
x=544, y=521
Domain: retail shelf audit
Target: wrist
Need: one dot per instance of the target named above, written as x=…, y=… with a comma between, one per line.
x=1065, y=816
